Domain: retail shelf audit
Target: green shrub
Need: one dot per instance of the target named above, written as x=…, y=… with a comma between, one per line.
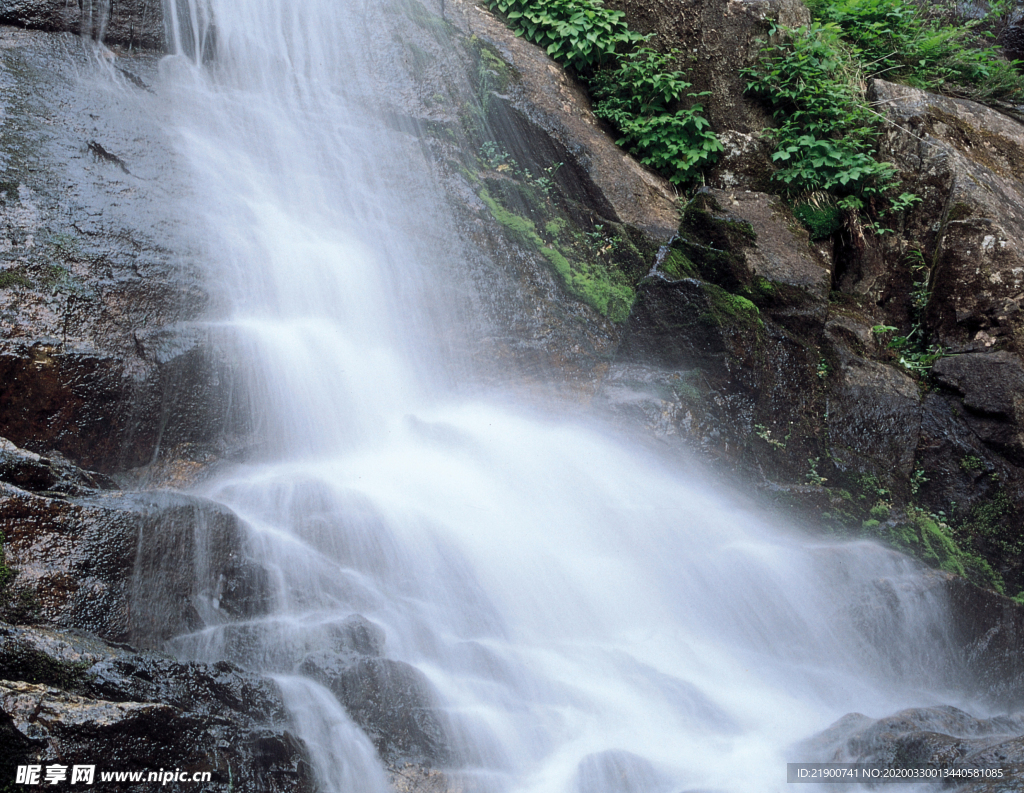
x=638, y=96
x=578, y=33
x=821, y=222
x=904, y=41
x=635, y=88
x=825, y=141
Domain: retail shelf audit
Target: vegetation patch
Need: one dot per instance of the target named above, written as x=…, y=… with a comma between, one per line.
x=635, y=88
x=12, y=278
x=726, y=309
x=821, y=221
x=676, y=266
x=601, y=286
x=926, y=46
x=637, y=97
x=810, y=79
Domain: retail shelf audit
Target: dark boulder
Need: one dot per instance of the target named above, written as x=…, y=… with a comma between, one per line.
x=72, y=699
x=391, y=701
x=126, y=566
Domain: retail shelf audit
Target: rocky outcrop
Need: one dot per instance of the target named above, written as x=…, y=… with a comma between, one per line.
x=122, y=565
x=129, y=23
x=966, y=162
x=71, y=699
x=940, y=737
x=102, y=357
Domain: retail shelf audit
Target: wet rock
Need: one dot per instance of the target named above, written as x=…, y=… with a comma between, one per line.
x=102, y=354
x=940, y=737
x=874, y=415
x=124, y=566
x=420, y=778
x=992, y=385
x=75, y=700
x=33, y=472
x=544, y=117
x=392, y=702
x=762, y=232
x=990, y=629
x=130, y=23
x=617, y=771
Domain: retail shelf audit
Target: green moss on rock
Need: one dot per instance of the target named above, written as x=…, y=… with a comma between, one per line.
x=677, y=266
x=605, y=290
x=726, y=309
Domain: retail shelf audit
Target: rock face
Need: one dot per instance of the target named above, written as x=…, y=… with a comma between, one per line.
x=129, y=23
x=101, y=354
x=76, y=700
x=967, y=163
x=767, y=351
x=123, y=566
x=781, y=357
x=940, y=737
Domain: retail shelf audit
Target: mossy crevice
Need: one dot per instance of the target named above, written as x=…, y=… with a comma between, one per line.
x=600, y=285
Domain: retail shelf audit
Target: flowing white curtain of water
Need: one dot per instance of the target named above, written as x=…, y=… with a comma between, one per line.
x=590, y=620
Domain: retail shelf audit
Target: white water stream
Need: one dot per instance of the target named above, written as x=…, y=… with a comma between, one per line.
x=582, y=611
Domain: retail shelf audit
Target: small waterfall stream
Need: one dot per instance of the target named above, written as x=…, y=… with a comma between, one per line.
x=588, y=619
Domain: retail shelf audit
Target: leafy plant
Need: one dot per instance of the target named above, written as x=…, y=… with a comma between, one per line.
x=826, y=137
x=921, y=45
x=813, y=477
x=638, y=97
x=579, y=33
x=765, y=434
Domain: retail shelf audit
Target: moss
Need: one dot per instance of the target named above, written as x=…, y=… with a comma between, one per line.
x=970, y=463
x=599, y=287
x=727, y=310
x=821, y=222
x=592, y=285
x=10, y=278
x=676, y=266
x=554, y=227
x=32, y=666
x=880, y=511
x=937, y=546
x=497, y=74
x=522, y=229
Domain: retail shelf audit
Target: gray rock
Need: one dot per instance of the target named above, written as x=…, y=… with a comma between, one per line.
x=966, y=162
x=130, y=23
x=75, y=700
x=874, y=416
x=124, y=566
x=391, y=701
x=941, y=737
x=102, y=357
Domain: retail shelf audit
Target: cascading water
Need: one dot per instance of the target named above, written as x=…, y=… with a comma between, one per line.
x=586, y=616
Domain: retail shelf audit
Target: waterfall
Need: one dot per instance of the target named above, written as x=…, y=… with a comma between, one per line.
x=580, y=615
